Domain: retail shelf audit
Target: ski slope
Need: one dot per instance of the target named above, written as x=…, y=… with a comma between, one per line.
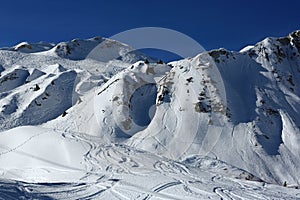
x=48, y=164
x=93, y=119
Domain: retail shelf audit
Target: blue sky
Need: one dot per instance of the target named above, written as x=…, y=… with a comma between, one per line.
x=214, y=24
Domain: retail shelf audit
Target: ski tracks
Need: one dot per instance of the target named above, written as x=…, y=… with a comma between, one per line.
x=116, y=171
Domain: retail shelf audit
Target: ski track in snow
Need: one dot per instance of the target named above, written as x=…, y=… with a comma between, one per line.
x=111, y=166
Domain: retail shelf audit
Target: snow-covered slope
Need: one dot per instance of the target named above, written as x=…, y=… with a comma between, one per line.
x=241, y=108
x=221, y=124
x=62, y=165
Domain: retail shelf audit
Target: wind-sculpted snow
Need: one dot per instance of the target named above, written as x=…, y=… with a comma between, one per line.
x=109, y=122
x=115, y=103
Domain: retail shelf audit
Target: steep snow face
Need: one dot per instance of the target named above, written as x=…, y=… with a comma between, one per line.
x=188, y=103
x=246, y=127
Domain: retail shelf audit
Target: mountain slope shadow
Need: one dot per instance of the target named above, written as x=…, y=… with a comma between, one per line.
x=240, y=79
x=142, y=104
x=243, y=79
x=271, y=138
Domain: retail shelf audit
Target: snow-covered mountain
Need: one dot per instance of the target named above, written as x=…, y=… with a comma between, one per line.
x=98, y=116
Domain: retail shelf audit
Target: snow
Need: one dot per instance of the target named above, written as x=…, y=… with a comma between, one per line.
x=91, y=169
x=246, y=48
x=91, y=119
x=40, y=155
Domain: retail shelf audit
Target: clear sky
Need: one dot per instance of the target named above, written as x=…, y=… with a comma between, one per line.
x=231, y=24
